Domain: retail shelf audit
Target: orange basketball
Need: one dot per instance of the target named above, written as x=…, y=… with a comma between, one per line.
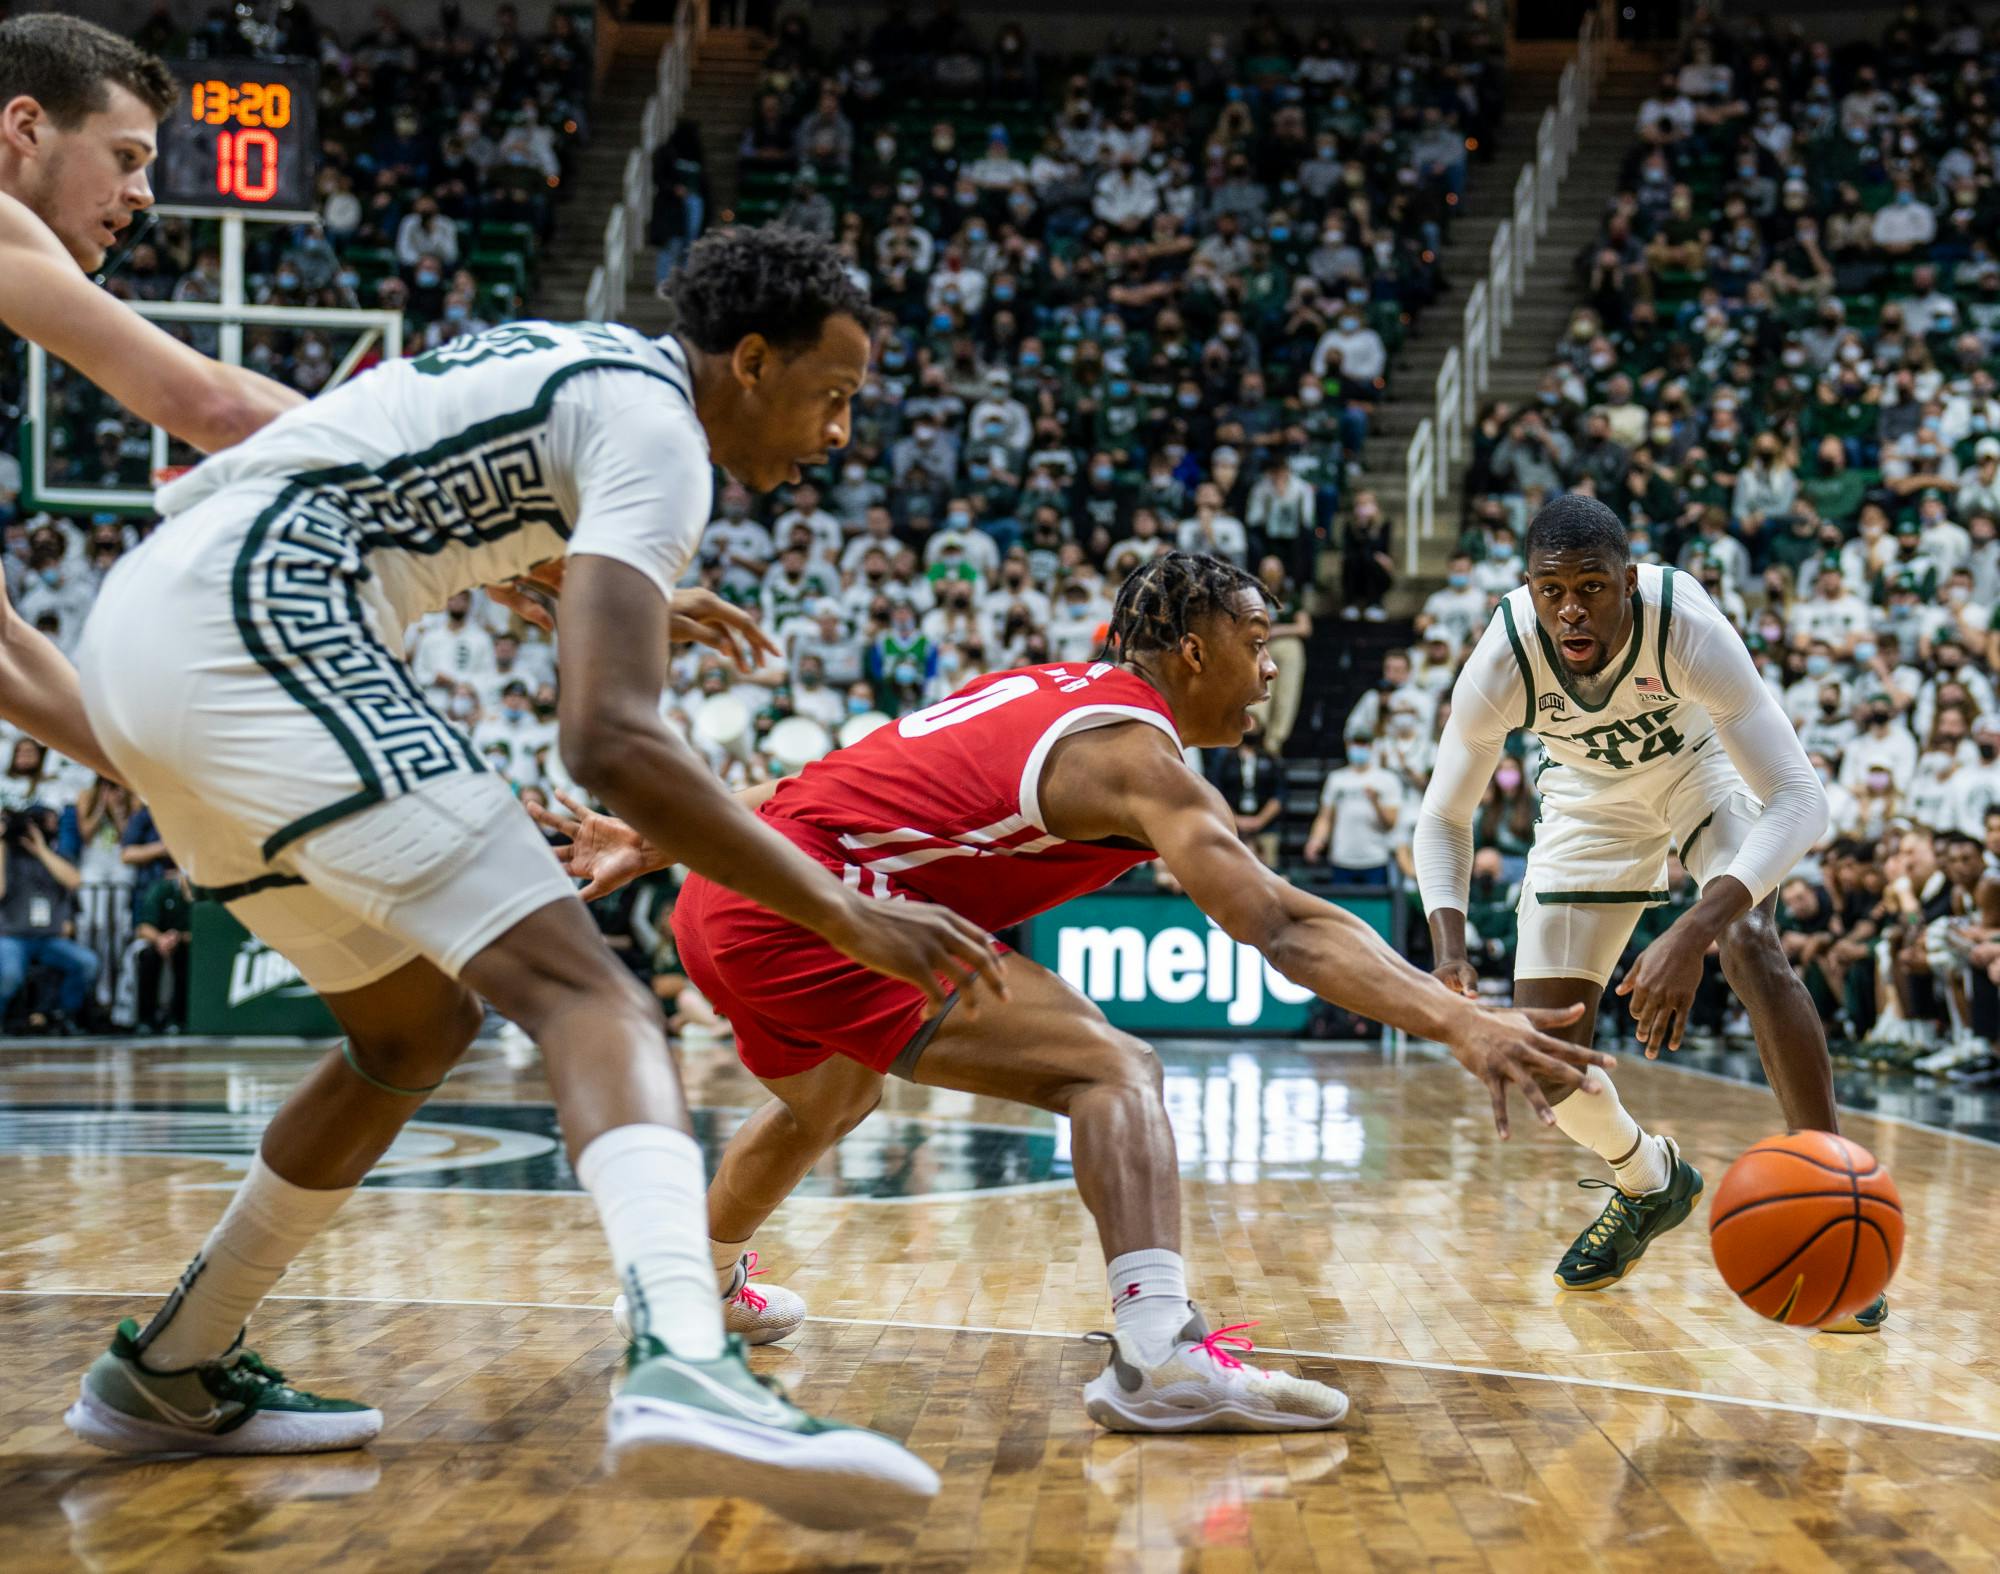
x=1806, y=1228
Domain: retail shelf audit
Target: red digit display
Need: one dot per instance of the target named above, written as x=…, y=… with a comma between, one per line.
x=244, y=137
x=233, y=164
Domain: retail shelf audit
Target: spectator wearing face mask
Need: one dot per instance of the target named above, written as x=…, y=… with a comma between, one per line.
x=1950, y=667
x=1394, y=688
x=1906, y=223
x=1281, y=520
x=828, y=643
x=1362, y=358
x=1885, y=746
x=426, y=232
x=1354, y=830
x=1367, y=569
x=1209, y=530
x=1505, y=823
x=1766, y=487
x=451, y=648
x=928, y=446
x=1976, y=788
x=1000, y=420
x=960, y=541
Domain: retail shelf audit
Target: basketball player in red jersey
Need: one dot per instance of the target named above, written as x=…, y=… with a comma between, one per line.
x=1015, y=794
x=79, y=115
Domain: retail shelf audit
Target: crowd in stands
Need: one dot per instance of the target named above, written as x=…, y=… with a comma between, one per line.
x=1142, y=299
x=443, y=154
x=442, y=158
x=1782, y=375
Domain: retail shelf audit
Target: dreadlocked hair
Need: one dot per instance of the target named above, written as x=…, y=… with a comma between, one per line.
x=1162, y=600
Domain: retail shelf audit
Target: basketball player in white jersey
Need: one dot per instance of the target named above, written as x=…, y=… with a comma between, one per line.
x=79, y=113
x=297, y=774
x=1661, y=738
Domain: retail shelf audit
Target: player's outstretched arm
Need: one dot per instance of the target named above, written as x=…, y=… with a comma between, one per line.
x=615, y=744
x=1128, y=781
x=39, y=693
x=1485, y=702
x=45, y=298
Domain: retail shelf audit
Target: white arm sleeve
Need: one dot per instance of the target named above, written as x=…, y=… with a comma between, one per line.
x=1487, y=703
x=638, y=463
x=1707, y=663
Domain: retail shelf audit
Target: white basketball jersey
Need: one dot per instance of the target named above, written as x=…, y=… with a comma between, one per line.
x=1640, y=736
x=439, y=473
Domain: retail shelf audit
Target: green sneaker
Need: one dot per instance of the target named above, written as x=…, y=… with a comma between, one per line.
x=1868, y=1320
x=1604, y=1253
x=233, y=1405
x=717, y=1429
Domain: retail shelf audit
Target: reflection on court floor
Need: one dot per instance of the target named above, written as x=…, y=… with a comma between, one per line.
x=1358, y=1209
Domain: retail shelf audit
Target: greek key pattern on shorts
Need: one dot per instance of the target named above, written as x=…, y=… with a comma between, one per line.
x=301, y=615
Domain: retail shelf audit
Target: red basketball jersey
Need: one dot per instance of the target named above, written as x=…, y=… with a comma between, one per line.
x=945, y=803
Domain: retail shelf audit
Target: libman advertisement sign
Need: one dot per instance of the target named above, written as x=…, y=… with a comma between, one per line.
x=237, y=984
x=1157, y=964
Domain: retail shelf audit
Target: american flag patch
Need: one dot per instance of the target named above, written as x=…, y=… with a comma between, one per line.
x=1652, y=688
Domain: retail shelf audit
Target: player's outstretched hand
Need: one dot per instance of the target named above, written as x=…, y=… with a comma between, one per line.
x=603, y=852
x=919, y=941
x=1460, y=977
x=1660, y=989
x=1512, y=1048
x=521, y=598
x=705, y=618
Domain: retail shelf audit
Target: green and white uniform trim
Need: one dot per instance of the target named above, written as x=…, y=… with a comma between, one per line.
x=299, y=558
x=1632, y=778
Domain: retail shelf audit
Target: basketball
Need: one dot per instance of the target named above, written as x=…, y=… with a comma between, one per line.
x=1806, y=1228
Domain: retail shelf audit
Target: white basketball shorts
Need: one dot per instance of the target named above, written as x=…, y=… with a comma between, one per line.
x=241, y=679
x=1592, y=872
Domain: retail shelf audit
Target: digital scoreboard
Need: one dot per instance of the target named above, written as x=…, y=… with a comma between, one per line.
x=242, y=137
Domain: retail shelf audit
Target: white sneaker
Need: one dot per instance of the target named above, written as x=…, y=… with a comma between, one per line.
x=1202, y=1387
x=758, y=1316
x=685, y=1428
x=1961, y=1050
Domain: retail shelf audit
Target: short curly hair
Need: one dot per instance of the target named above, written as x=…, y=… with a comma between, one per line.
x=776, y=281
x=1572, y=522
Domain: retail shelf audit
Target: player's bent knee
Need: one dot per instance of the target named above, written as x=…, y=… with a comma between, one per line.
x=1129, y=1063
x=1751, y=949
x=420, y=1053
x=832, y=1121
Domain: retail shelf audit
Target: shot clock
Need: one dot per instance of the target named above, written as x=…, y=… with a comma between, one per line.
x=242, y=137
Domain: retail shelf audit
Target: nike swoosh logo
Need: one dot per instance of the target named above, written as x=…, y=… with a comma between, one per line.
x=761, y=1407
x=179, y=1416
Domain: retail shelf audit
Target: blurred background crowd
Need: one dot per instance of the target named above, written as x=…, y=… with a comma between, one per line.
x=1153, y=296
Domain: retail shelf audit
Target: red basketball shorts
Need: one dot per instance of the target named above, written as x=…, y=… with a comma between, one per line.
x=793, y=1000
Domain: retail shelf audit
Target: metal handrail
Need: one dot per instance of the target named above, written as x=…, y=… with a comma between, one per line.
x=625, y=231
x=1440, y=439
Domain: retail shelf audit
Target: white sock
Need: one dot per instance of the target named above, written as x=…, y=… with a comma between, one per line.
x=267, y=1224
x=725, y=1255
x=1599, y=1121
x=1149, y=1299
x=652, y=1197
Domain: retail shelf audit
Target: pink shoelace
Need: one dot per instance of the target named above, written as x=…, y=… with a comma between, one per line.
x=1214, y=1344
x=756, y=1302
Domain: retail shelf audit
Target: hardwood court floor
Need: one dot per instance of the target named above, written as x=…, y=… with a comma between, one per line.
x=1361, y=1212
